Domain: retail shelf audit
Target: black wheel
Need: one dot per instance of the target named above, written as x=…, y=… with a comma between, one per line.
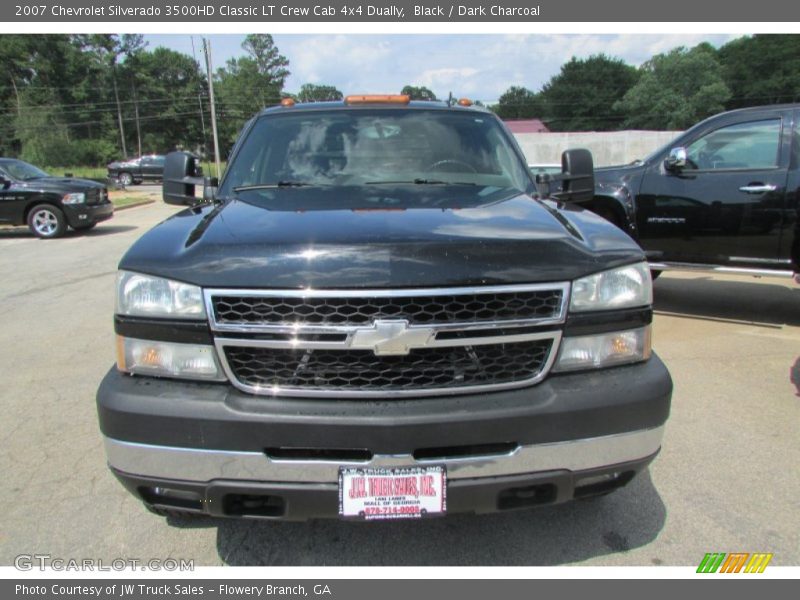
x=125, y=178
x=84, y=227
x=174, y=512
x=47, y=221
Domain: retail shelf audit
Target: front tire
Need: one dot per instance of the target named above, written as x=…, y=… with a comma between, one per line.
x=125, y=179
x=47, y=221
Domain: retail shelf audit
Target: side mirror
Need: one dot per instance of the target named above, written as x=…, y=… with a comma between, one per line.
x=4, y=183
x=676, y=160
x=182, y=173
x=576, y=177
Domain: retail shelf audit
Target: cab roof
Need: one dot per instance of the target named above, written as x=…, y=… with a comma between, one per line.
x=342, y=105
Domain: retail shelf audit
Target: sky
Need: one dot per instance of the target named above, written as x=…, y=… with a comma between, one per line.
x=480, y=67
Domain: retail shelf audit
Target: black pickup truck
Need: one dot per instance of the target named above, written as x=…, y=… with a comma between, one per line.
x=724, y=196
x=50, y=205
x=149, y=167
x=372, y=317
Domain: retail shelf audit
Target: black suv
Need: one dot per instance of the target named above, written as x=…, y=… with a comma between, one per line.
x=50, y=204
x=374, y=318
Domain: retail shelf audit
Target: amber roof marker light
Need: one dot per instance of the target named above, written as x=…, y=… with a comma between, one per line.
x=287, y=102
x=378, y=99
x=465, y=102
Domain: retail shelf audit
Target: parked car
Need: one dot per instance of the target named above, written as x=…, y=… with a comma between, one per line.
x=50, y=204
x=374, y=317
x=136, y=170
x=723, y=196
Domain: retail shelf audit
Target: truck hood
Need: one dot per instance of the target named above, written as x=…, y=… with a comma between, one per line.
x=379, y=237
x=59, y=184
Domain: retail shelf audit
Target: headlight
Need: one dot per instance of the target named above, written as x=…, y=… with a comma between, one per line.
x=146, y=296
x=165, y=359
x=603, y=350
x=77, y=198
x=625, y=287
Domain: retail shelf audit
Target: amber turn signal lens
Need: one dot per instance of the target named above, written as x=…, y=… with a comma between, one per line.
x=378, y=99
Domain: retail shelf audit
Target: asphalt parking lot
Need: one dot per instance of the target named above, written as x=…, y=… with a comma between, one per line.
x=726, y=479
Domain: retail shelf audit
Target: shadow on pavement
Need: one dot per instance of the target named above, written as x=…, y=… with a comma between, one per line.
x=745, y=300
x=576, y=531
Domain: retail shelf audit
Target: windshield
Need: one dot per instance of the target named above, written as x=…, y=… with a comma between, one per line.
x=22, y=171
x=376, y=147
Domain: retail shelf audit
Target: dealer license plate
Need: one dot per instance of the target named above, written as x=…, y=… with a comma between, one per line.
x=396, y=493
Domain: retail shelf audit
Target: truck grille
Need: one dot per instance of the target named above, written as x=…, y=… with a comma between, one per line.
x=421, y=370
x=96, y=195
x=451, y=308
x=379, y=343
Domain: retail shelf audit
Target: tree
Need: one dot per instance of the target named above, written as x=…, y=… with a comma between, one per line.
x=248, y=84
x=418, y=92
x=675, y=90
x=310, y=92
x=518, y=103
x=163, y=88
x=107, y=49
x=582, y=96
x=762, y=69
x=43, y=136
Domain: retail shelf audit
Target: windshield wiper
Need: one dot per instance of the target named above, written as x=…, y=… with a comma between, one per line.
x=420, y=181
x=277, y=184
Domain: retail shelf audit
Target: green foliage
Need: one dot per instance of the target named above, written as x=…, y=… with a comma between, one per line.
x=310, y=92
x=519, y=103
x=583, y=94
x=418, y=92
x=762, y=69
x=248, y=84
x=675, y=90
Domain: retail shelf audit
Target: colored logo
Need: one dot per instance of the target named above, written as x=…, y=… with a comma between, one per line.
x=735, y=562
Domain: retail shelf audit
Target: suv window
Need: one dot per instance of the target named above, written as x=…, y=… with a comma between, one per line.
x=365, y=147
x=752, y=145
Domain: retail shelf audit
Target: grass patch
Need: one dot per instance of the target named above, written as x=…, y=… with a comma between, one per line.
x=127, y=197
x=84, y=172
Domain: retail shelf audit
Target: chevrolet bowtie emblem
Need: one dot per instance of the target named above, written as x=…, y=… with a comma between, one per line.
x=391, y=337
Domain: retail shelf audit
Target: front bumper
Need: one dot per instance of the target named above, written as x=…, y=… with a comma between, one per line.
x=83, y=214
x=558, y=440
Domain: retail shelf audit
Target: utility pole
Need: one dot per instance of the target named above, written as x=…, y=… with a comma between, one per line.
x=210, y=71
x=119, y=111
x=200, y=100
x=136, y=112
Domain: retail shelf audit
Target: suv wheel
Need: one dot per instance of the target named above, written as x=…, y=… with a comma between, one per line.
x=47, y=221
x=125, y=179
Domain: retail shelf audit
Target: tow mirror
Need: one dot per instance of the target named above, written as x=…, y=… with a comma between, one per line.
x=676, y=160
x=182, y=172
x=576, y=177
